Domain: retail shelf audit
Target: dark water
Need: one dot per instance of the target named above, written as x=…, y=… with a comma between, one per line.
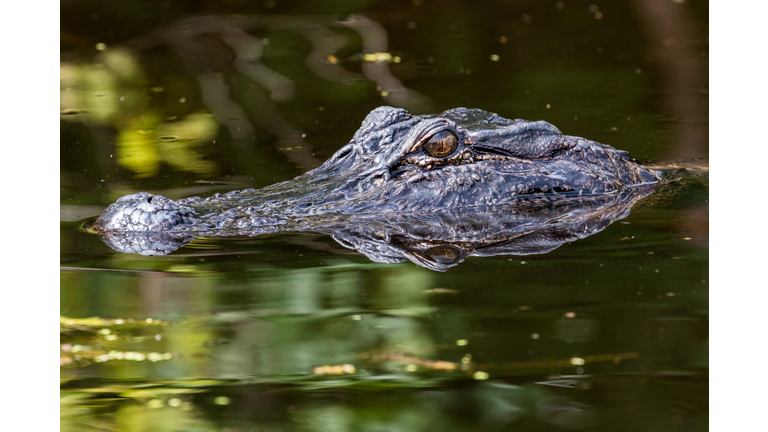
x=295, y=332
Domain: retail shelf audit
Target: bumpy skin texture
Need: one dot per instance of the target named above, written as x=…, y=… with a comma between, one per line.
x=441, y=239
x=145, y=212
x=386, y=170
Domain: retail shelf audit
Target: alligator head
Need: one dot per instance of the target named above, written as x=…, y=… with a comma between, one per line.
x=399, y=163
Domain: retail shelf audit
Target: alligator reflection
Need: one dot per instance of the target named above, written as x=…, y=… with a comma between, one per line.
x=437, y=240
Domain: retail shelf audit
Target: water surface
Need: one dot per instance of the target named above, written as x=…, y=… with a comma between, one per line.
x=293, y=331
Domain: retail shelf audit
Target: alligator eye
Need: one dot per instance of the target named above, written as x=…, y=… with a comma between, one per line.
x=443, y=254
x=441, y=144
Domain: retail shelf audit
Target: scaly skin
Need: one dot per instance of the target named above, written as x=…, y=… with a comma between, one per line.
x=386, y=169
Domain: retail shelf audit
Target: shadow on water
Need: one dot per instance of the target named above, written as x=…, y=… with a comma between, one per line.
x=342, y=324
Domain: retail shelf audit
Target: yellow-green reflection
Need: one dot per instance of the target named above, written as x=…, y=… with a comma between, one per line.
x=111, y=92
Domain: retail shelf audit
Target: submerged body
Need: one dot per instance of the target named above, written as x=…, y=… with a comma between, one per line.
x=400, y=163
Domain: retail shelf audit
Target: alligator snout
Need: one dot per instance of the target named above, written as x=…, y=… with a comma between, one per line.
x=145, y=212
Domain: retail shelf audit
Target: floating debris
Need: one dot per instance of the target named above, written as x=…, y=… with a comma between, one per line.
x=378, y=57
x=102, y=322
x=335, y=370
x=577, y=361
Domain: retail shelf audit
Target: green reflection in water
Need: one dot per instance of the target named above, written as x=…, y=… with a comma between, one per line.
x=359, y=346
x=295, y=333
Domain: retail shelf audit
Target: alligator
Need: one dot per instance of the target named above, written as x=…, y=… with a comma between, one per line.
x=465, y=165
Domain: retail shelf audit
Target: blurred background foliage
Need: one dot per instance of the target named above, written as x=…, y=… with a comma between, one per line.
x=111, y=92
x=293, y=331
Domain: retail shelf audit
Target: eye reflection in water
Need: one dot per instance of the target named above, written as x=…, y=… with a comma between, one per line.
x=437, y=240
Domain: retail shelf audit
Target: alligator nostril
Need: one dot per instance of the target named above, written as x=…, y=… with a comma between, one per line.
x=149, y=200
